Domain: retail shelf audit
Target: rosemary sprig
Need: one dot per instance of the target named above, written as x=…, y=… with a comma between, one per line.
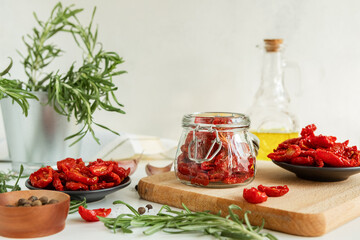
x=13, y=89
x=75, y=204
x=188, y=222
x=4, y=177
x=80, y=91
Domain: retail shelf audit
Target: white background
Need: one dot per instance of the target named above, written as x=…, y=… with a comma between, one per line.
x=200, y=55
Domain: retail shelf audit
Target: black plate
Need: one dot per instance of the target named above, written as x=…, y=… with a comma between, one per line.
x=324, y=174
x=91, y=196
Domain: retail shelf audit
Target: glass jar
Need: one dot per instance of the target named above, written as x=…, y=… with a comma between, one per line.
x=216, y=150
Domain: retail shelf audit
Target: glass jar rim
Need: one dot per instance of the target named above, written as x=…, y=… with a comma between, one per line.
x=218, y=119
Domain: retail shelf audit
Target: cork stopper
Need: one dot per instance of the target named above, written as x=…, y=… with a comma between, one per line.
x=273, y=45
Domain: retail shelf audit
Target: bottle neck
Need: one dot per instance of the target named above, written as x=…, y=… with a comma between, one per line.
x=272, y=91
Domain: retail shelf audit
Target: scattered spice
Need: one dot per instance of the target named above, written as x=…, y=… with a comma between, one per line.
x=149, y=206
x=141, y=210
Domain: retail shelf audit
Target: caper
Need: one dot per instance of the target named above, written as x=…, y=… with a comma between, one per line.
x=53, y=201
x=36, y=203
x=26, y=205
x=44, y=200
x=21, y=201
x=141, y=210
x=32, y=198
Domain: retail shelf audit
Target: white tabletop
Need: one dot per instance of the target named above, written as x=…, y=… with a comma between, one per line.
x=76, y=228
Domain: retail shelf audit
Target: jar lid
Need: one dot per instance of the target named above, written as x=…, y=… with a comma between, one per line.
x=218, y=119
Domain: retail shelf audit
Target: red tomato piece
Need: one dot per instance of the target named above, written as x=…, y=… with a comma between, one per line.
x=201, y=179
x=101, y=169
x=253, y=195
x=42, y=177
x=74, y=186
x=91, y=215
x=78, y=176
x=57, y=182
x=274, y=191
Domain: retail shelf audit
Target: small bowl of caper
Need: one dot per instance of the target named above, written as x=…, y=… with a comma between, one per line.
x=33, y=213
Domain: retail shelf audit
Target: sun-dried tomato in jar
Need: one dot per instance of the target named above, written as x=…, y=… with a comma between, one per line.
x=216, y=150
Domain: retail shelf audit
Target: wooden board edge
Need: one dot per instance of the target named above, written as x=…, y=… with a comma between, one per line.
x=309, y=225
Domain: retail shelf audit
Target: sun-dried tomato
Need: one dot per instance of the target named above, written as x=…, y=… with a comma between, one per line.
x=73, y=174
x=101, y=169
x=274, y=191
x=78, y=176
x=102, y=185
x=42, y=177
x=253, y=195
x=57, y=182
x=74, y=186
x=318, y=151
x=200, y=179
x=91, y=215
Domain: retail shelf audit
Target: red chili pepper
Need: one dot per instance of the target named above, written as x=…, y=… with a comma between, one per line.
x=253, y=195
x=91, y=215
x=42, y=177
x=77, y=176
x=274, y=191
x=74, y=186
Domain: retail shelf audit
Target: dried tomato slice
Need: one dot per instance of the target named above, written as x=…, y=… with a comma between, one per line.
x=91, y=215
x=42, y=177
x=253, y=195
x=274, y=191
x=74, y=186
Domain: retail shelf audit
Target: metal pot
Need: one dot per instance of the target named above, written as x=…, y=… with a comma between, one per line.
x=38, y=139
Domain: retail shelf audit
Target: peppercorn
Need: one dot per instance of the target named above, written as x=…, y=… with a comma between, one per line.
x=32, y=198
x=44, y=200
x=53, y=201
x=21, y=201
x=149, y=206
x=36, y=203
x=141, y=210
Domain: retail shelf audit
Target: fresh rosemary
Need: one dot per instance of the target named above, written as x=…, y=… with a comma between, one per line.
x=12, y=89
x=75, y=204
x=79, y=91
x=188, y=222
x=4, y=177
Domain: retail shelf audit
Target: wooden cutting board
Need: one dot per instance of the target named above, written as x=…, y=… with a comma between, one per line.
x=308, y=209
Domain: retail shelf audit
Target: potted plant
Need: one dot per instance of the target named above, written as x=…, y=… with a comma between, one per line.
x=74, y=94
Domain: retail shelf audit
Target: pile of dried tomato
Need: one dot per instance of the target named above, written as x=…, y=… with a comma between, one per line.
x=73, y=174
x=318, y=151
x=233, y=164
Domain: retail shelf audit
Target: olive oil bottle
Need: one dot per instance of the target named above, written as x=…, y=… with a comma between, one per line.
x=271, y=119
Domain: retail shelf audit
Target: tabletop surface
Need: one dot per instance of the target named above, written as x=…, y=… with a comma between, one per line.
x=76, y=228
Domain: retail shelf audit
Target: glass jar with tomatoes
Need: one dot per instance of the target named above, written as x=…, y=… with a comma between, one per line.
x=216, y=150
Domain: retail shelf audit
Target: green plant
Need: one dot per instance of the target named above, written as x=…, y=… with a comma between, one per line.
x=79, y=91
x=188, y=222
x=4, y=177
x=12, y=88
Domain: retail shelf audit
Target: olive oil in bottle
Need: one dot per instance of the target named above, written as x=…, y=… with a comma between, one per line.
x=270, y=140
x=271, y=119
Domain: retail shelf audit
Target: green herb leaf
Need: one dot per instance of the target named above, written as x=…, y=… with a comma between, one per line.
x=188, y=222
